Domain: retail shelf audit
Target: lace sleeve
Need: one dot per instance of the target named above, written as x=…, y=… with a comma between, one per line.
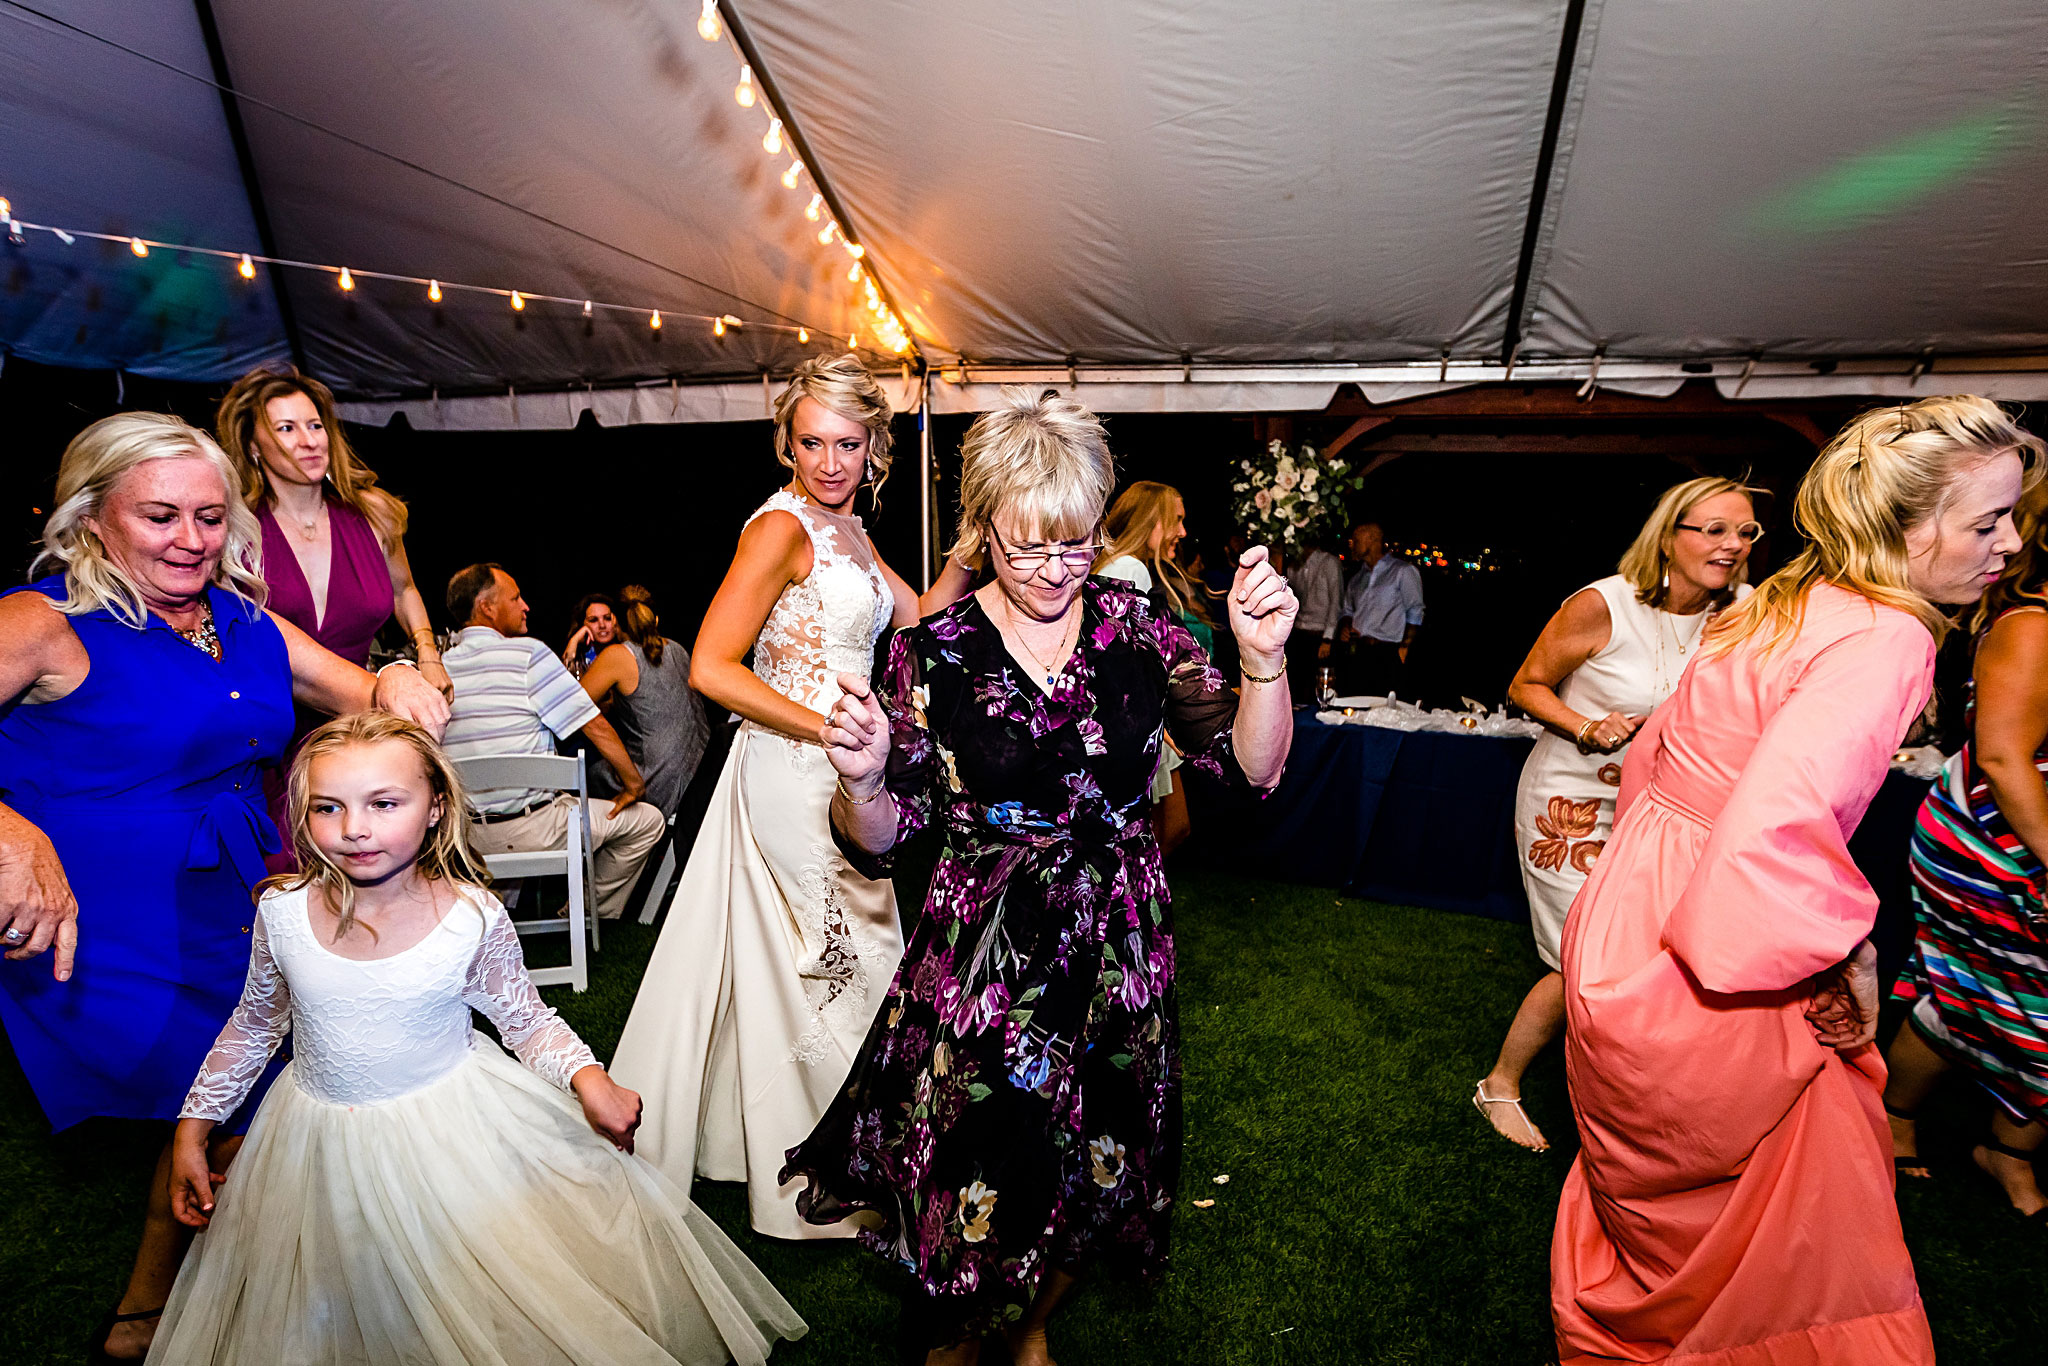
x=261, y=1020
x=498, y=987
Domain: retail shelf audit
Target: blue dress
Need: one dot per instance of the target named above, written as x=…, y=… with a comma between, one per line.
x=146, y=779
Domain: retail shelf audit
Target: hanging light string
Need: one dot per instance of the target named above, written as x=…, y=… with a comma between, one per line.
x=883, y=323
x=347, y=278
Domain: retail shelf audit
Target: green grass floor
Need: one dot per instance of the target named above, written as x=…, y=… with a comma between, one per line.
x=1370, y=1216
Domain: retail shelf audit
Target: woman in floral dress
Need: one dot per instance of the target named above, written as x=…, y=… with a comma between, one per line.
x=1015, y=1111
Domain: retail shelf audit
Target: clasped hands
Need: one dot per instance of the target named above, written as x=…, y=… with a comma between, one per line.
x=1843, y=1011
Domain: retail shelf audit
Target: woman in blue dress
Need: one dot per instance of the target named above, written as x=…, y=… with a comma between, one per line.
x=141, y=690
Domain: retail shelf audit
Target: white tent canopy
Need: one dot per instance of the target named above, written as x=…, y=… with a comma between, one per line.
x=1173, y=204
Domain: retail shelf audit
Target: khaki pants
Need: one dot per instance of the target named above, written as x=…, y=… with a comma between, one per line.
x=619, y=844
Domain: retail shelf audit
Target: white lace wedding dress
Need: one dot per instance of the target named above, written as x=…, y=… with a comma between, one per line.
x=408, y=1193
x=775, y=954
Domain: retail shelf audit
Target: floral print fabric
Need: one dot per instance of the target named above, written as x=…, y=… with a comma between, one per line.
x=1016, y=1106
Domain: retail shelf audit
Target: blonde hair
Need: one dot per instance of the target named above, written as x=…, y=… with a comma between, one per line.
x=246, y=410
x=2025, y=580
x=1647, y=563
x=446, y=854
x=1137, y=512
x=93, y=463
x=842, y=385
x=1043, y=458
x=639, y=623
x=1888, y=471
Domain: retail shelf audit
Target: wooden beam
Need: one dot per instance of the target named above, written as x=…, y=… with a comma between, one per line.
x=1358, y=428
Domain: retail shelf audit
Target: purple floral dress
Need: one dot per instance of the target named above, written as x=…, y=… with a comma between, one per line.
x=1016, y=1105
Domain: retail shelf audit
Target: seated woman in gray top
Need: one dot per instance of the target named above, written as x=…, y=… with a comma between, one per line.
x=643, y=683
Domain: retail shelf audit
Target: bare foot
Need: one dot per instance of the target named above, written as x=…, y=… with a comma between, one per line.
x=1502, y=1107
x=1906, y=1143
x=966, y=1354
x=130, y=1341
x=1028, y=1347
x=2015, y=1175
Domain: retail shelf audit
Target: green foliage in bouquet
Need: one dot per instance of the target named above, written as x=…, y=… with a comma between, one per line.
x=1294, y=497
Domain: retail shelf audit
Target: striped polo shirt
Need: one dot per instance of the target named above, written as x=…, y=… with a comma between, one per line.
x=512, y=696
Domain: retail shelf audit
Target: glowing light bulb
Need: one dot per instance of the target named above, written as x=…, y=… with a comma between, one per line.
x=825, y=233
x=730, y=321
x=853, y=274
x=433, y=291
x=900, y=344
x=803, y=335
x=518, y=302
x=654, y=320
x=348, y=281
x=853, y=339
x=744, y=91
x=718, y=327
x=708, y=27
x=586, y=310
x=856, y=250
x=796, y=168
x=247, y=270
x=771, y=142
x=811, y=209
x=6, y=208
x=138, y=246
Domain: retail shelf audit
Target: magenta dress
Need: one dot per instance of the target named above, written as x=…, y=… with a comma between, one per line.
x=359, y=602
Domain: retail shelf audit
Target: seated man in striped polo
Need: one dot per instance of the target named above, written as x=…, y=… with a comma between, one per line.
x=512, y=696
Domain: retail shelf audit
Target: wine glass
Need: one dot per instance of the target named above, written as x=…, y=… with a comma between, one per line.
x=1326, y=686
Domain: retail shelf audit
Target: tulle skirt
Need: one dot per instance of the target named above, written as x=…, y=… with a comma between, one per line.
x=476, y=1221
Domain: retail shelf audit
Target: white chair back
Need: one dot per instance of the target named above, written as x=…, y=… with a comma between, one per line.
x=571, y=861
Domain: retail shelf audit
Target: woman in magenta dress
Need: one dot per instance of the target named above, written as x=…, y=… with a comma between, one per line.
x=332, y=542
x=1732, y=1199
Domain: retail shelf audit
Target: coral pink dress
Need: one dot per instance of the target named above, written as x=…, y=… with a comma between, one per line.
x=1732, y=1200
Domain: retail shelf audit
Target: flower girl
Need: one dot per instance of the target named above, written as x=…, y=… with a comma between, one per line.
x=408, y=1192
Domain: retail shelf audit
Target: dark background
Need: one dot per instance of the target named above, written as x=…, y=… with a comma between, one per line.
x=593, y=508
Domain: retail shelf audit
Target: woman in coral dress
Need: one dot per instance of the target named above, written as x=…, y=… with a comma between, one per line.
x=1732, y=1198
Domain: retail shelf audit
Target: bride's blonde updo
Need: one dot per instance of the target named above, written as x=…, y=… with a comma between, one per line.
x=839, y=384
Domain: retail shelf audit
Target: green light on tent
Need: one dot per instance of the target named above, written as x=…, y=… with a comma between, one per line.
x=1888, y=179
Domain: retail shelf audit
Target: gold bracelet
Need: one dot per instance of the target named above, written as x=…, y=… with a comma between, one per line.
x=1251, y=677
x=847, y=792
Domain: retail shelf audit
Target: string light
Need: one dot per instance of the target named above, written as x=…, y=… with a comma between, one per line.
x=586, y=310
x=348, y=281
x=744, y=91
x=796, y=168
x=853, y=275
x=138, y=246
x=718, y=327
x=6, y=209
x=825, y=233
x=708, y=27
x=654, y=319
x=771, y=142
x=811, y=209
x=247, y=270
x=730, y=321
x=856, y=250
x=433, y=291
x=518, y=302
x=803, y=335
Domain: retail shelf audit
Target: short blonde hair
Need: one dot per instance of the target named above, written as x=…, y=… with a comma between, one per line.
x=448, y=853
x=1040, y=457
x=1647, y=563
x=1886, y=472
x=93, y=463
x=839, y=384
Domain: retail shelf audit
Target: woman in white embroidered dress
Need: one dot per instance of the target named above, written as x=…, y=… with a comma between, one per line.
x=1610, y=656
x=775, y=954
x=407, y=1192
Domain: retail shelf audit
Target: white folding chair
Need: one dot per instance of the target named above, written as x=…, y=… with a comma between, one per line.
x=658, y=888
x=547, y=773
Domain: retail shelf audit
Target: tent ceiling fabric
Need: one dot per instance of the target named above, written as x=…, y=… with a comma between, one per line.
x=1800, y=177
x=98, y=139
x=1329, y=180
x=1277, y=193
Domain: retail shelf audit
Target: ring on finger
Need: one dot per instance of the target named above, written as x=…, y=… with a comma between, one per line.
x=15, y=936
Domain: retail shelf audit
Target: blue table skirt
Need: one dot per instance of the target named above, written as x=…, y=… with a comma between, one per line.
x=1422, y=818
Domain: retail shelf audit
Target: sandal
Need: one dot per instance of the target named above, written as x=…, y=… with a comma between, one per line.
x=1992, y=1145
x=1900, y=1165
x=96, y=1350
x=1480, y=1100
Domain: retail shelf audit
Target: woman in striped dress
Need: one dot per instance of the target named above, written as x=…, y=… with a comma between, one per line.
x=1978, y=976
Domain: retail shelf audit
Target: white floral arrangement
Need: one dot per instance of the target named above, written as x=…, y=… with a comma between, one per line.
x=1293, y=497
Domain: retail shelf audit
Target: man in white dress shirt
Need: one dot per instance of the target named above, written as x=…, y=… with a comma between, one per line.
x=1318, y=584
x=1381, y=612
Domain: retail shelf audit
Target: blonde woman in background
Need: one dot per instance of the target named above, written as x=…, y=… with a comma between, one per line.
x=776, y=953
x=1732, y=1197
x=1613, y=652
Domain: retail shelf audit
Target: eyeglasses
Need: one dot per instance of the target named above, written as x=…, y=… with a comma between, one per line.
x=1077, y=558
x=1750, y=532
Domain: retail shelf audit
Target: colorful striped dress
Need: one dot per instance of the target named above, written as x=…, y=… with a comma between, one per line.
x=1978, y=974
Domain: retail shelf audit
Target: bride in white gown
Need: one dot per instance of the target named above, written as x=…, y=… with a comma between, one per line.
x=775, y=954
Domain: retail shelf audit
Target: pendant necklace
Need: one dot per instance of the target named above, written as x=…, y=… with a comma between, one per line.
x=1051, y=675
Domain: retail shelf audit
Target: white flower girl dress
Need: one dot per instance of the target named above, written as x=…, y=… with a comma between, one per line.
x=408, y=1193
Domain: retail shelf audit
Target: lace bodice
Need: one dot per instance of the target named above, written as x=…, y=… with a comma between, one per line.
x=369, y=1032
x=827, y=623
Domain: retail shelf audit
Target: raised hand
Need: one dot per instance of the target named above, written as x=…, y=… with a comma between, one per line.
x=1262, y=607
x=856, y=735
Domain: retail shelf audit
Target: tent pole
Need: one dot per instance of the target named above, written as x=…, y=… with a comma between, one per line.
x=927, y=476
